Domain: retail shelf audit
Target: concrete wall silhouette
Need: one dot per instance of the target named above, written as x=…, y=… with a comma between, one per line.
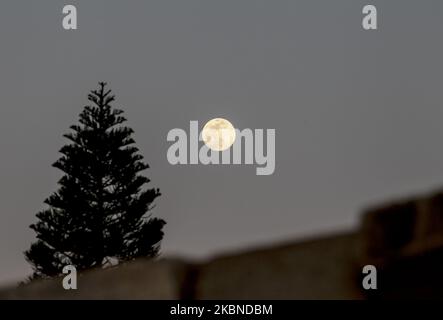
x=403, y=239
x=322, y=268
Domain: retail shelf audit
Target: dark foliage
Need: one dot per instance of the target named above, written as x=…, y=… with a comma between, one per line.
x=100, y=214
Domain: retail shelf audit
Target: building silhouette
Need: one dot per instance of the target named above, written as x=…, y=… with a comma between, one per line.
x=403, y=239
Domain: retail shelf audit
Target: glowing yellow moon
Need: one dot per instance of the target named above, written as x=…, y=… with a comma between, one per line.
x=218, y=134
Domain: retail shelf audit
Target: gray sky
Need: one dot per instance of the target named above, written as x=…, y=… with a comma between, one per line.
x=357, y=114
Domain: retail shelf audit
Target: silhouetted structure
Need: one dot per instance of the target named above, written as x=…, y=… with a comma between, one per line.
x=99, y=214
x=403, y=239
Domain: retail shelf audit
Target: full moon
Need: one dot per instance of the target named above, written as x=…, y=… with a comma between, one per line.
x=218, y=134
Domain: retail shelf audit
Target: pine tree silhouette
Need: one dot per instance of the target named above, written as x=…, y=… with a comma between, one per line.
x=99, y=215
